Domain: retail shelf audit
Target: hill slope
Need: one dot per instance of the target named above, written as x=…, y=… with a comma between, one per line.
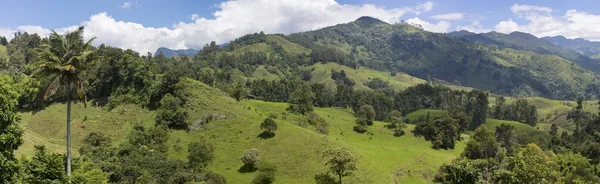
x=527, y=42
x=168, y=53
x=295, y=150
x=579, y=45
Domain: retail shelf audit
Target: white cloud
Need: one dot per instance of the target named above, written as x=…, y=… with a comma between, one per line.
x=518, y=8
x=440, y=27
x=449, y=16
x=425, y=7
x=43, y=32
x=475, y=27
x=7, y=32
x=237, y=18
x=507, y=26
x=540, y=22
x=126, y=5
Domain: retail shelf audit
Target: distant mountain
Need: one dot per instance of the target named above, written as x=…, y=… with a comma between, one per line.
x=529, y=69
x=170, y=53
x=527, y=42
x=579, y=45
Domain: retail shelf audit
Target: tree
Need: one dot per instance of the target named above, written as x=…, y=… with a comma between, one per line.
x=500, y=108
x=365, y=117
x=44, y=167
x=269, y=126
x=340, y=162
x=200, y=154
x=302, y=99
x=65, y=60
x=482, y=144
x=530, y=166
x=10, y=133
x=251, y=157
x=553, y=130
x=480, y=108
x=396, y=123
x=505, y=135
x=170, y=113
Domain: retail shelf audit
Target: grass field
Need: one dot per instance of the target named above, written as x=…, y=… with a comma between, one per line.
x=322, y=74
x=295, y=150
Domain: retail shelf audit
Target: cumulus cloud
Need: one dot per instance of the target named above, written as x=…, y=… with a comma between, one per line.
x=449, y=16
x=237, y=18
x=7, y=32
x=475, y=27
x=541, y=22
x=507, y=26
x=440, y=27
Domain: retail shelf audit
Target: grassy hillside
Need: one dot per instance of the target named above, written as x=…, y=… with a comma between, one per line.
x=295, y=150
x=322, y=74
x=3, y=51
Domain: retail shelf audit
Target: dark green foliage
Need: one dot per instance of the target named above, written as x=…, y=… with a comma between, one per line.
x=323, y=97
x=268, y=126
x=463, y=170
x=154, y=139
x=3, y=41
x=324, y=178
x=396, y=123
x=341, y=78
x=365, y=117
x=266, y=174
x=480, y=108
x=302, y=99
x=481, y=145
x=343, y=96
x=505, y=136
x=10, y=132
x=443, y=131
x=327, y=54
x=520, y=111
x=170, y=113
x=44, y=167
x=553, y=130
x=377, y=83
x=200, y=154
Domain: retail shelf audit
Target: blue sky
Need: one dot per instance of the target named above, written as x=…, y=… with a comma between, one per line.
x=144, y=25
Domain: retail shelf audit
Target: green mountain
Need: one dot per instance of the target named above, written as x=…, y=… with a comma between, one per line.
x=171, y=53
x=579, y=45
x=528, y=42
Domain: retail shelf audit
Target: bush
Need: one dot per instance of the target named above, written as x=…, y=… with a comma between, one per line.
x=269, y=126
x=266, y=174
x=360, y=128
x=324, y=178
x=251, y=157
x=399, y=133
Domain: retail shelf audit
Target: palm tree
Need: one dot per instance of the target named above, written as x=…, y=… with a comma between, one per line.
x=64, y=60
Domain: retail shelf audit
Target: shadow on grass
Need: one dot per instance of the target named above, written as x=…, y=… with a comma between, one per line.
x=247, y=168
x=266, y=135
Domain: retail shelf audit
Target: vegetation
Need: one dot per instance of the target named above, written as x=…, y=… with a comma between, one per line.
x=341, y=89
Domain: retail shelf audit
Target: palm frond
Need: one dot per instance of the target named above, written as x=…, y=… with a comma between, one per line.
x=51, y=88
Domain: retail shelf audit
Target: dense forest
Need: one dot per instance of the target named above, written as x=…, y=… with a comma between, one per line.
x=37, y=72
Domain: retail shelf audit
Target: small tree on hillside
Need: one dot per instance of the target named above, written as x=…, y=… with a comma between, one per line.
x=170, y=113
x=482, y=144
x=269, y=126
x=251, y=157
x=396, y=123
x=302, y=99
x=340, y=162
x=200, y=154
x=366, y=116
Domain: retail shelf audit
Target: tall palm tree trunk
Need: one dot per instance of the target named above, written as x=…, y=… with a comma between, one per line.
x=68, y=132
